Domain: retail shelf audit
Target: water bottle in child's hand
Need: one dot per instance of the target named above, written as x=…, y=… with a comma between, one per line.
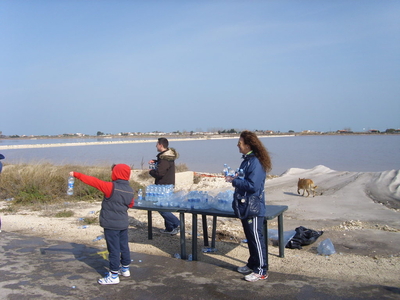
x=71, y=181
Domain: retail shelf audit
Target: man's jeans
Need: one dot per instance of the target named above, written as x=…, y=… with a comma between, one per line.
x=171, y=221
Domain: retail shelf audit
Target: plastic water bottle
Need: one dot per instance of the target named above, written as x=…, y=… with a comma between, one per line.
x=140, y=197
x=149, y=193
x=240, y=174
x=98, y=238
x=209, y=250
x=225, y=170
x=71, y=181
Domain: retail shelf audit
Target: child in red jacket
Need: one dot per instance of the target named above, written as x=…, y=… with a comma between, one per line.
x=118, y=197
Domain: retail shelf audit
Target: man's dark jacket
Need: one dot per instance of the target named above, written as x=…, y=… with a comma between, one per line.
x=165, y=170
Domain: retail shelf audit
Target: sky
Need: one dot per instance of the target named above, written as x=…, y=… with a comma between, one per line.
x=70, y=66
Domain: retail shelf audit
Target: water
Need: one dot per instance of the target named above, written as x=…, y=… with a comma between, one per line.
x=355, y=153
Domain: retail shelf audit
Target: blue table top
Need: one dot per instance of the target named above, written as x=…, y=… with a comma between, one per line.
x=272, y=211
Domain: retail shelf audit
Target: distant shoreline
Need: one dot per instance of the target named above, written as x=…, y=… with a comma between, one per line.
x=29, y=146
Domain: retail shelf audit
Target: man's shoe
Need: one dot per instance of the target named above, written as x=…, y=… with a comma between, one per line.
x=111, y=278
x=124, y=271
x=244, y=270
x=255, y=277
x=172, y=232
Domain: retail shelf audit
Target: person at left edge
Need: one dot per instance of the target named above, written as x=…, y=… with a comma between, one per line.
x=1, y=165
x=118, y=197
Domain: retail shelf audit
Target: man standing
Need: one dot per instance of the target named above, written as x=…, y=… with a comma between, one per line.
x=164, y=173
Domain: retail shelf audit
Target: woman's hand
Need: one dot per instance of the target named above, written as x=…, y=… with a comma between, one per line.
x=229, y=178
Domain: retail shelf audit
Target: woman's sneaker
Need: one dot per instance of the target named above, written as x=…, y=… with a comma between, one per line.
x=255, y=277
x=124, y=271
x=244, y=270
x=111, y=278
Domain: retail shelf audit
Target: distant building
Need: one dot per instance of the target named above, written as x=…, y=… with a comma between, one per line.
x=344, y=131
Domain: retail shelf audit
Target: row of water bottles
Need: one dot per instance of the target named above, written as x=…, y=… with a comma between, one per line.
x=202, y=200
x=164, y=196
x=160, y=195
x=223, y=201
x=196, y=200
x=227, y=171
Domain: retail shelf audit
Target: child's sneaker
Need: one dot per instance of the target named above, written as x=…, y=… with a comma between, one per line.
x=124, y=271
x=111, y=278
x=255, y=277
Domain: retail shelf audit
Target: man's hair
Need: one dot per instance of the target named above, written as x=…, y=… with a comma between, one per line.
x=164, y=142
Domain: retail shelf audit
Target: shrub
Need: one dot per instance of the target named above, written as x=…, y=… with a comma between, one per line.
x=144, y=175
x=91, y=220
x=196, y=179
x=181, y=168
x=64, y=214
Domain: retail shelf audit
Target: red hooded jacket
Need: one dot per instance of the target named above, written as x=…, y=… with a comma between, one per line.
x=119, y=172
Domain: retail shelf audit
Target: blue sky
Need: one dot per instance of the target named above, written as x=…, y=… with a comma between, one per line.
x=137, y=66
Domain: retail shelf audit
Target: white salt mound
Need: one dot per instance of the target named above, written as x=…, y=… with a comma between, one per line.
x=384, y=188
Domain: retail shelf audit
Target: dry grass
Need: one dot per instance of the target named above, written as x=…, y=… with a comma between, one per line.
x=42, y=184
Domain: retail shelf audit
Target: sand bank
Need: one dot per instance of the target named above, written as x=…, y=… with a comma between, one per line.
x=111, y=142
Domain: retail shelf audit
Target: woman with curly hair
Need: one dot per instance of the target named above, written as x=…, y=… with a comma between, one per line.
x=256, y=163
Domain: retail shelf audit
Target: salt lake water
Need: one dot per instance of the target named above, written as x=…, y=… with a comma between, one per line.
x=355, y=153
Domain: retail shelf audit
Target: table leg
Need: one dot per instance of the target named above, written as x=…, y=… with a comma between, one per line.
x=149, y=225
x=182, y=235
x=194, y=236
x=214, y=232
x=280, y=233
x=205, y=231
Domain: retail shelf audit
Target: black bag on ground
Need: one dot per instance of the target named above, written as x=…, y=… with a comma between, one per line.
x=303, y=237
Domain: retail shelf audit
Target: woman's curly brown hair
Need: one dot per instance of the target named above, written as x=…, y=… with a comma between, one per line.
x=251, y=139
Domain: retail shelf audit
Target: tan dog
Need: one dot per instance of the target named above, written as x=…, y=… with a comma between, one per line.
x=306, y=185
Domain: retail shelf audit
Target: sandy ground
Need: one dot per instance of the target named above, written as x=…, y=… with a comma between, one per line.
x=355, y=211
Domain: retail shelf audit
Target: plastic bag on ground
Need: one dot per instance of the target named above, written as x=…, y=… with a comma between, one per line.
x=287, y=236
x=326, y=247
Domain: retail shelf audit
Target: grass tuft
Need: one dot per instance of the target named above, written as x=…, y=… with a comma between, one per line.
x=64, y=214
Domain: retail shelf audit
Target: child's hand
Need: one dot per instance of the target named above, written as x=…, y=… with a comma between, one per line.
x=71, y=173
